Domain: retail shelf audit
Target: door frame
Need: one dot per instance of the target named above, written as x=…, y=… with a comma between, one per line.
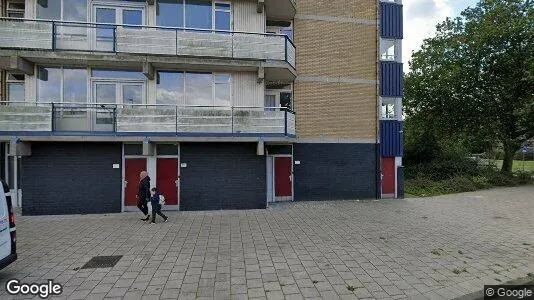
x=117, y=6
x=151, y=165
x=272, y=174
x=177, y=157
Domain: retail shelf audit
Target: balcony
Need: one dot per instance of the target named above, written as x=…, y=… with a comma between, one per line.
x=145, y=40
x=18, y=118
x=280, y=9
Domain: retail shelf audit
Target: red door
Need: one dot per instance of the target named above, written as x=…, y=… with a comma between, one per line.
x=166, y=179
x=388, y=175
x=133, y=166
x=282, y=177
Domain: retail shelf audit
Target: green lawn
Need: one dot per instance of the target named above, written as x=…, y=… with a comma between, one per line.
x=518, y=165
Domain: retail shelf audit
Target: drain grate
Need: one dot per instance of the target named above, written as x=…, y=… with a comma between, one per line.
x=102, y=262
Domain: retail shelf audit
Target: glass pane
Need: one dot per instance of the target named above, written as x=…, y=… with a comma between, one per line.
x=49, y=83
x=198, y=14
x=132, y=17
x=118, y=74
x=222, y=20
x=75, y=10
x=105, y=93
x=222, y=94
x=15, y=91
x=132, y=94
x=170, y=13
x=170, y=88
x=222, y=6
x=198, y=89
x=75, y=85
x=49, y=9
x=270, y=102
x=104, y=33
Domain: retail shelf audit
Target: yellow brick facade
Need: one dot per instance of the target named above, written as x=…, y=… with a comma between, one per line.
x=336, y=90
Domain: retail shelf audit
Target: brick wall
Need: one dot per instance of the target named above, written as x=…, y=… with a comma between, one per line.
x=222, y=176
x=335, y=110
x=71, y=178
x=336, y=88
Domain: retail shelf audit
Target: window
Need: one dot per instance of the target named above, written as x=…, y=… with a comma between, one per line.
x=389, y=51
x=62, y=85
x=170, y=13
x=15, y=9
x=65, y=10
x=390, y=108
x=280, y=27
x=222, y=90
x=75, y=85
x=170, y=88
x=198, y=89
x=198, y=14
x=222, y=16
x=15, y=87
x=193, y=89
x=194, y=14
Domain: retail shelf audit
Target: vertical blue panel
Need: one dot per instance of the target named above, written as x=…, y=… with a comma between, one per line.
x=391, y=20
x=391, y=138
x=391, y=79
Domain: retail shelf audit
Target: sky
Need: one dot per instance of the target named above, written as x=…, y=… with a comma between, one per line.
x=421, y=17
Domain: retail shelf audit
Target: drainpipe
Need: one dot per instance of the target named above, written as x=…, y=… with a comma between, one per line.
x=377, y=118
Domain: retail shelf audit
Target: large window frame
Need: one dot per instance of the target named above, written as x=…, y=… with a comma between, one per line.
x=62, y=11
x=15, y=80
x=216, y=80
x=390, y=108
x=61, y=83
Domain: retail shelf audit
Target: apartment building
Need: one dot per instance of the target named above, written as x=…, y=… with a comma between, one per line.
x=227, y=104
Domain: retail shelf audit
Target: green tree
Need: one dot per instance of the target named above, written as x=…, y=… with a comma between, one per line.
x=474, y=81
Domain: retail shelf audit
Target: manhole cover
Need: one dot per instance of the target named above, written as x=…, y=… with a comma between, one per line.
x=102, y=262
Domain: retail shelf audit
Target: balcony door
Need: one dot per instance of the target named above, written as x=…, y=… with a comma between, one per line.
x=105, y=35
x=110, y=92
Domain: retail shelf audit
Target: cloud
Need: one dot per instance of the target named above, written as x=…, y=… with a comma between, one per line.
x=420, y=19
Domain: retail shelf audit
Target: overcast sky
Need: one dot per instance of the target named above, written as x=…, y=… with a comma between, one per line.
x=421, y=17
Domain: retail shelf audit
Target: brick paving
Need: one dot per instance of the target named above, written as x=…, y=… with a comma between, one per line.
x=434, y=248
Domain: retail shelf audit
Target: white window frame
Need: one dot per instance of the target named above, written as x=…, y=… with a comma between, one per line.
x=14, y=82
x=61, y=82
x=213, y=82
x=215, y=9
x=397, y=108
x=386, y=45
x=88, y=11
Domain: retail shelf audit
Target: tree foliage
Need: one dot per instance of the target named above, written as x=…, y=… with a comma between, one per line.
x=474, y=81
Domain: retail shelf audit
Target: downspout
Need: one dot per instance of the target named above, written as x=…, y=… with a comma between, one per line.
x=377, y=102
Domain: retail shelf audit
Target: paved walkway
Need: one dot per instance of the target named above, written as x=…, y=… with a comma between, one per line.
x=437, y=248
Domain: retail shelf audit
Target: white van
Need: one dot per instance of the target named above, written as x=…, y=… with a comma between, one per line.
x=8, y=236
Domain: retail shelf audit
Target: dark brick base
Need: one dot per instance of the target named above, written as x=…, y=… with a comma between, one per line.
x=71, y=178
x=335, y=171
x=222, y=176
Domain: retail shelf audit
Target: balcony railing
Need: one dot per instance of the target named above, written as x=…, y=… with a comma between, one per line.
x=137, y=39
x=86, y=119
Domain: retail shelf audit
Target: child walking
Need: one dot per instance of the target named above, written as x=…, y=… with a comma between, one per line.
x=156, y=205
